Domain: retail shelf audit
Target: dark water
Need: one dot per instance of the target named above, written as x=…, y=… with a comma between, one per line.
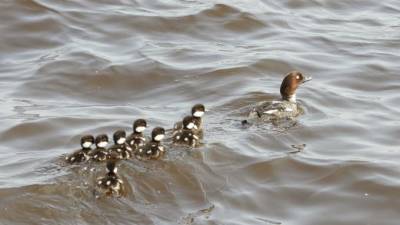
x=91, y=66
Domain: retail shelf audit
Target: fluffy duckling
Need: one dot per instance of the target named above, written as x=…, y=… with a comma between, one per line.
x=111, y=184
x=137, y=139
x=120, y=150
x=186, y=135
x=153, y=149
x=100, y=153
x=198, y=111
x=82, y=154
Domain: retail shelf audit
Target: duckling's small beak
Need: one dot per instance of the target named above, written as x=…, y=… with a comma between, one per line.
x=307, y=79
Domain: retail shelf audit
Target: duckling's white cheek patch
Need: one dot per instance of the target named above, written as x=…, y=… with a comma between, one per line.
x=115, y=170
x=159, y=137
x=190, y=126
x=103, y=144
x=121, y=141
x=198, y=114
x=87, y=144
x=140, y=129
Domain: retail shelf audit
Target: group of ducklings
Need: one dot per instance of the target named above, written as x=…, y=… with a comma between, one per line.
x=188, y=132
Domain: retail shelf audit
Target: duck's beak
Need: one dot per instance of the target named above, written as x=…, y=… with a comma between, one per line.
x=307, y=79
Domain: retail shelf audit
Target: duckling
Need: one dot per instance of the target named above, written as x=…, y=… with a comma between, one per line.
x=120, y=150
x=81, y=155
x=137, y=138
x=197, y=113
x=186, y=135
x=111, y=184
x=153, y=149
x=100, y=153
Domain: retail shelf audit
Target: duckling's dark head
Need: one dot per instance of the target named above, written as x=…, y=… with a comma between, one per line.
x=158, y=134
x=139, y=125
x=119, y=137
x=198, y=110
x=189, y=122
x=101, y=140
x=87, y=141
x=111, y=167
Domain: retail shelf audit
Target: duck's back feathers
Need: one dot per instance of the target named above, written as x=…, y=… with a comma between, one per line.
x=274, y=110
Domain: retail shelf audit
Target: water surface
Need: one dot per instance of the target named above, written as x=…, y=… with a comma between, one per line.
x=74, y=67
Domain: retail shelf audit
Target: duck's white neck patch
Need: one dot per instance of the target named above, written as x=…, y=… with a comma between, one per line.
x=198, y=114
x=120, y=141
x=292, y=98
x=159, y=137
x=102, y=144
x=87, y=144
x=190, y=126
x=140, y=129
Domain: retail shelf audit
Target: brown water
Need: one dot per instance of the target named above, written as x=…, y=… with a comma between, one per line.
x=91, y=66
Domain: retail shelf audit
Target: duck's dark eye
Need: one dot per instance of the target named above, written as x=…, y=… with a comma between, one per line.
x=299, y=76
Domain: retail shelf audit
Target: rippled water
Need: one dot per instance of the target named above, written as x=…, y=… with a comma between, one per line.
x=91, y=66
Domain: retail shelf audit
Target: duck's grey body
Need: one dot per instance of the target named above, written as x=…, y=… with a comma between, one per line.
x=275, y=110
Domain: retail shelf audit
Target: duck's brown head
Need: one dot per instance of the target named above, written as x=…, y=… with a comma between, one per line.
x=290, y=84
